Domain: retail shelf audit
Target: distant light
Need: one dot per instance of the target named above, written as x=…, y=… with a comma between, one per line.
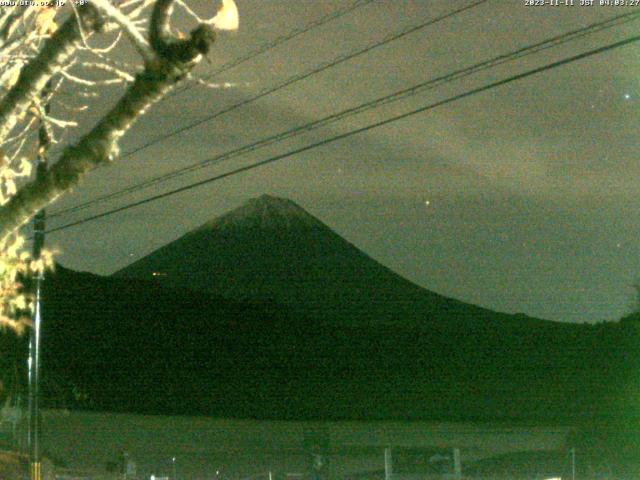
x=159, y=274
x=427, y=202
x=627, y=96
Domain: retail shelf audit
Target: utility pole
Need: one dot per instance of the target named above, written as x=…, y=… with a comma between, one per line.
x=388, y=464
x=457, y=464
x=35, y=467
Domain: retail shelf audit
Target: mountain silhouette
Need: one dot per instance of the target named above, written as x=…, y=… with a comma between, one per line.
x=272, y=249
x=265, y=312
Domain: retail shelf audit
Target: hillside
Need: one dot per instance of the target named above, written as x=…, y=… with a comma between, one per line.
x=266, y=313
x=135, y=346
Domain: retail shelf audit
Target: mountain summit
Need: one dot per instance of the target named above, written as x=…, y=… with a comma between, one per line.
x=266, y=211
x=271, y=249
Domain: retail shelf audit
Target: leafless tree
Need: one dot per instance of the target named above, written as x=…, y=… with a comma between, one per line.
x=50, y=50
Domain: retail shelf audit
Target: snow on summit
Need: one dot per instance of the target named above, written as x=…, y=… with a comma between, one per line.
x=265, y=211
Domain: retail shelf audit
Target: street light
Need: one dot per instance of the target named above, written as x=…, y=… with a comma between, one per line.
x=173, y=463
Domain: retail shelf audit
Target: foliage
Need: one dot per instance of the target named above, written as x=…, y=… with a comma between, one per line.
x=17, y=264
x=55, y=60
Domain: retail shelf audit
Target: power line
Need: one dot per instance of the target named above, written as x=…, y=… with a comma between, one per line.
x=419, y=88
x=351, y=133
x=299, y=77
x=280, y=40
x=303, y=76
x=271, y=45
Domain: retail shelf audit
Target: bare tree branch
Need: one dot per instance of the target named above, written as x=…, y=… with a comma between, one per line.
x=32, y=50
x=34, y=76
x=10, y=17
x=173, y=60
x=139, y=42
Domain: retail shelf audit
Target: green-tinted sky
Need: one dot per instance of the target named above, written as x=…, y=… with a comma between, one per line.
x=532, y=188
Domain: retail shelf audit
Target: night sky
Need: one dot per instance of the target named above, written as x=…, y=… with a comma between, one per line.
x=521, y=199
